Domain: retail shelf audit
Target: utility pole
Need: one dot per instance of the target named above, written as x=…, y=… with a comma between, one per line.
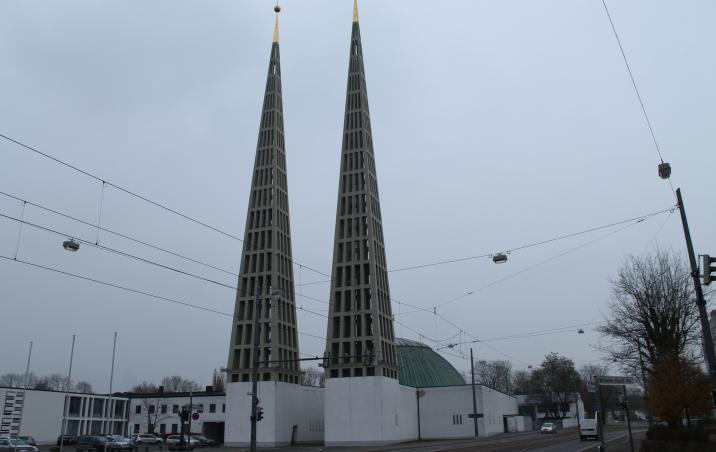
x=110, y=414
x=474, y=399
x=700, y=302
x=628, y=421
x=24, y=390
x=67, y=398
x=255, y=369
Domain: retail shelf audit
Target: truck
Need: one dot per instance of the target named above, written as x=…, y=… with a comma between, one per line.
x=588, y=428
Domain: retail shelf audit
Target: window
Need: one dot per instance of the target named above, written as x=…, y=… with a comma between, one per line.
x=175, y=409
x=212, y=408
x=138, y=409
x=151, y=409
x=164, y=409
x=162, y=428
x=136, y=427
x=457, y=419
x=200, y=408
x=223, y=408
x=175, y=428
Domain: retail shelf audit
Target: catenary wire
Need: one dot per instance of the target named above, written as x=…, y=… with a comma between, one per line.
x=118, y=234
x=140, y=292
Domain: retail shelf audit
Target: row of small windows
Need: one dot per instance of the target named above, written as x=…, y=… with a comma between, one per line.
x=164, y=409
x=354, y=120
x=457, y=419
x=264, y=197
x=353, y=140
x=243, y=358
x=357, y=325
x=354, y=65
x=263, y=262
x=262, y=241
x=353, y=182
x=354, y=101
x=266, y=376
x=272, y=99
x=287, y=333
x=356, y=82
x=349, y=275
x=272, y=118
x=349, y=352
x=271, y=138
x=264, y=177
x=352, y=300
x=352, y=251
x=353, y=204
x=353, y=161
x=353, y=227
x=286, y=310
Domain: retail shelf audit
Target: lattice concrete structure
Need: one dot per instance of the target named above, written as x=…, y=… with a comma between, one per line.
x=360, y=340
x=266, y=260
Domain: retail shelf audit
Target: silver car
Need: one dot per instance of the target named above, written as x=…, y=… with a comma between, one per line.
x=7, y=444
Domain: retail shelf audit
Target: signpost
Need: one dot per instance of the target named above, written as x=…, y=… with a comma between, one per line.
x=607, y=380
x=615, y=381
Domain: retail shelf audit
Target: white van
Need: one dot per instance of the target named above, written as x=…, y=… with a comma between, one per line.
x=588, y=429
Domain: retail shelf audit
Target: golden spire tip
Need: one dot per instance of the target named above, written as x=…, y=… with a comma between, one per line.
x=355, y=10
x=275, y=27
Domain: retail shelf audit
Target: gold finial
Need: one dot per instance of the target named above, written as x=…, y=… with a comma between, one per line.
x=355, y=10
x=275, y=27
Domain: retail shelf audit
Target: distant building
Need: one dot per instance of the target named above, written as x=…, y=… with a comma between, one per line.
x=39, y=413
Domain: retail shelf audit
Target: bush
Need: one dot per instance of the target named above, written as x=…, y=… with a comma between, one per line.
x=665, y=434
x=675, y=446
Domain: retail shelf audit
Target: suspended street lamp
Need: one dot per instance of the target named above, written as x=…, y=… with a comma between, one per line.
x=664, y=170
x=71, y=245
x=499, y=258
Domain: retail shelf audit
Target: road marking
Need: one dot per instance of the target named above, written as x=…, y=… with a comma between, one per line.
x=610, y=440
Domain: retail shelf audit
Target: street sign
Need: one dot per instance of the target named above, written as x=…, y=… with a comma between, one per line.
x=618, y=381
x=195, y=416
x=479, y=415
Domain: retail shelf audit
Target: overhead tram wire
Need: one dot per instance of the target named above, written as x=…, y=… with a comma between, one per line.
x=636, y=89
x=118, y=234
x=148, y=261
x=560, y=330
x=143, y=198
x=140, y=292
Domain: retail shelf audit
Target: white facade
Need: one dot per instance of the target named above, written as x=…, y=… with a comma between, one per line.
x=163, y=409
x=40, y=414
x=369, y=411
x=293, y=414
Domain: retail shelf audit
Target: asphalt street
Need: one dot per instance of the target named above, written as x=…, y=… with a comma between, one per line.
x=616, y=440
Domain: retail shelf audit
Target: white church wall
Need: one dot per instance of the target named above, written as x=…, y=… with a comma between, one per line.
x=496, y=405
x=444, y=412
x=362, y=411
x=408, y=414
x=301, y=409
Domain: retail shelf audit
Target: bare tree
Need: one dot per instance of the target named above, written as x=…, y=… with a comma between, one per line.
x=11, y=380
x=313, y=377
x=175, y=383
x=652, y=314
x=84, y=387
x=145, y=387
x=494, y=374
x=522, y=382
x=53, y=382
x=157, y=409
x=218, y=381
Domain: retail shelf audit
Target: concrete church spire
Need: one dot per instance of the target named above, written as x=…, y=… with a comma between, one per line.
x=266, y=259
x=360, y=340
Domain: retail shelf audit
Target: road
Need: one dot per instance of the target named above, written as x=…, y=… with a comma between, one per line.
x=616, y=440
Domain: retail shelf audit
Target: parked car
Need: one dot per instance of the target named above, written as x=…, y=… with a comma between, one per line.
x=16, y=445
x=204, y=441
x=124, y=443
x=146, y=438
x=548, y=427
x=69, y=439
x=174, y=440
x=100, y=443
x=28, y=439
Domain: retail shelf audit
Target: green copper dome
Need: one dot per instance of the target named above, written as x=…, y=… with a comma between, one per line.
x=421, y=367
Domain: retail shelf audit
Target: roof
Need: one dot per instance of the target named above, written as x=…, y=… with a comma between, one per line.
x=421, y=367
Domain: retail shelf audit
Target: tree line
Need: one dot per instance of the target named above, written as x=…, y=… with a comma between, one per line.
x=52, y=382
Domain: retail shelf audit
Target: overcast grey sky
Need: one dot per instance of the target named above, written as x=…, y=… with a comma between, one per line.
x=496, y=124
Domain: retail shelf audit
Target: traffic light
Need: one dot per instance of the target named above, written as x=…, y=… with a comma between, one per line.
x=709, y=269
x=259, y=413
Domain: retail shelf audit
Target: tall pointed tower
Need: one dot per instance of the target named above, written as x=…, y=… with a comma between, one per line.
x=363, y=399
x=360, y=340
x=266, y=261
